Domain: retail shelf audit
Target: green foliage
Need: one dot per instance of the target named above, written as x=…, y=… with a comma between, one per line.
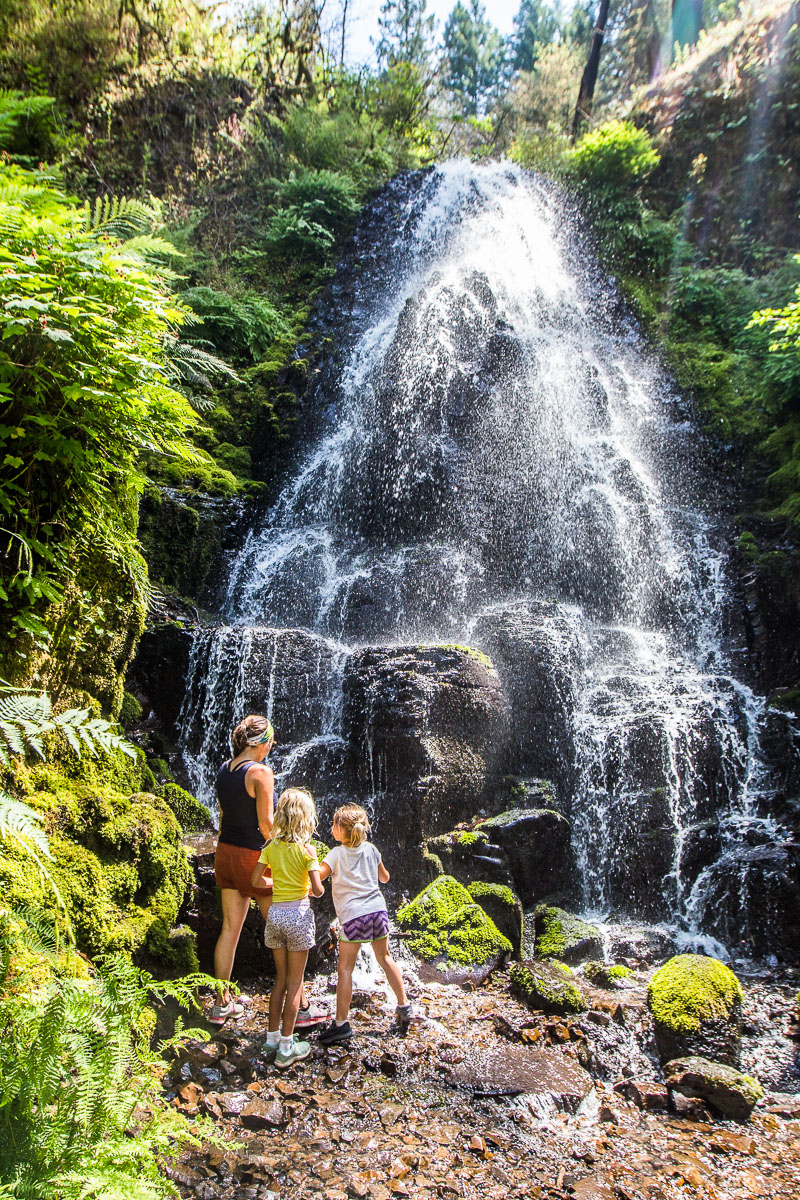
x=691, y=989
x=405, y=33
x=445, y=924
x=191, y=815
x=82, y=378
x=473, y=57
x=25, y=123
x=130, y=712
x=26, y=718
x=80, y=1111
x=242, y=328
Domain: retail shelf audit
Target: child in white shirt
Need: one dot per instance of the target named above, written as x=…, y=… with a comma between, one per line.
x=356, y=869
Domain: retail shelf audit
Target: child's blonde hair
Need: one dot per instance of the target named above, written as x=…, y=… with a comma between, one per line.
x=295, y=816
x=353, y=820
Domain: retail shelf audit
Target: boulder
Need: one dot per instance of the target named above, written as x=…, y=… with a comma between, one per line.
x=536, y=842
x=503, y=906
x=606, y=975
x=650, y=943
x=451, y=935
x=696, y=1004
x=560, y=934
x=547, y=986
x=427, y=729
x=724, y=1089
x=513, y=1070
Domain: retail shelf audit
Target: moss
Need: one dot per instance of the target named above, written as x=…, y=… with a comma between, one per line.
x=470, y=651
x=604, y=974
x=444, y=922
x=469, y=839
x=130, y=711
x=691, y=989
x=546, y=986
x=191, y=815
x=497, y=890
x=557, y=931
x=320, y=848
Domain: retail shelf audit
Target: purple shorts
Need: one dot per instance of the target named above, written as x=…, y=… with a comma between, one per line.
x=368, y=928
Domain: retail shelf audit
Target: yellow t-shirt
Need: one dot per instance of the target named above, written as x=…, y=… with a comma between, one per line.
x=290, y=863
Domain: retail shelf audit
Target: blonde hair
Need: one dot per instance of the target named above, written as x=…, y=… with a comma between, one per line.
x=295, y=816
x=353, y=820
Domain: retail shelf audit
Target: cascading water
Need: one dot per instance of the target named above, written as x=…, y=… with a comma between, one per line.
x=495, y=453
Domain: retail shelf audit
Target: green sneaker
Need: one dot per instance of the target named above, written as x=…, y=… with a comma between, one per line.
x=296, y=1052
x=270, y=1052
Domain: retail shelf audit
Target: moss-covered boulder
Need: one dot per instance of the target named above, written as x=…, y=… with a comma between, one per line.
x=560, y=934
x=724, y=1089
x=503, y=906
x=118, y=861
x=606, y=975
x=696, y=1004
x=537, y=848
x=191, y=815
x=451, y=935
x=548, y=986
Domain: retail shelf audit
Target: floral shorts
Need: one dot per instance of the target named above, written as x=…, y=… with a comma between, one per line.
x=290, y=926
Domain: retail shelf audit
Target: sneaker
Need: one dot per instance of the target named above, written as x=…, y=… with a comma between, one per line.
x=403, y=1016
x=296, y=1052
x=313, y=1015
x=334, y=1035
x=220, y=1013
x=270, y=1053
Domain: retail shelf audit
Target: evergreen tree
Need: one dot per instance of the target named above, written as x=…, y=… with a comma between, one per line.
x=535, y=25
x=473, y=57
x=406, y=33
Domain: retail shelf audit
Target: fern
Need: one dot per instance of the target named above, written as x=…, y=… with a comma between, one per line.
x=120, y=218
x=25, y=718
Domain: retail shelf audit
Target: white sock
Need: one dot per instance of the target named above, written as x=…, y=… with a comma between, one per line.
x=273, y=1038
x=339, y=1024
x=286, y=1043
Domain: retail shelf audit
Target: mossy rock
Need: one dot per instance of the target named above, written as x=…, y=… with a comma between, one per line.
x=503, y=906
x=606, y=975
x=191, y=815
x=727, y=1091
x=560, y=934
x=696, y=1004
x=446, y=929
x=547, y=986
x=130, y=711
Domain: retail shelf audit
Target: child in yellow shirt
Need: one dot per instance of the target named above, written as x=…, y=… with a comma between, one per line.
x=290, y=930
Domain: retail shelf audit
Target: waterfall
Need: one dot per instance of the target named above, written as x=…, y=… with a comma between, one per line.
x=498, y=451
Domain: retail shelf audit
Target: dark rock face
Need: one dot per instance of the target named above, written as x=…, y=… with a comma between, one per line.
x=536, y=843
x=724, y=1089
x=159, y=671
x=536, y=653
x=427, y=728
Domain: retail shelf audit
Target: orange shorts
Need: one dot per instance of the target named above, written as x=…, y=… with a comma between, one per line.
x=234, y=866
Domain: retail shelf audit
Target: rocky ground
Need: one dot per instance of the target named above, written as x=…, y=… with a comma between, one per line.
x=485, y=1098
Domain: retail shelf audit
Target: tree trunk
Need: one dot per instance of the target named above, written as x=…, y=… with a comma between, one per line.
x=583, y=109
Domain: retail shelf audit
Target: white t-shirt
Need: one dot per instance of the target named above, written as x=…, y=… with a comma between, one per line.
x=354, y=880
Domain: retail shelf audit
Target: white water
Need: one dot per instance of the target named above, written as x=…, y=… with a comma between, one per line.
x=497, y=441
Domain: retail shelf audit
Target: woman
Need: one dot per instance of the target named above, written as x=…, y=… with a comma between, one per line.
x=245, y=789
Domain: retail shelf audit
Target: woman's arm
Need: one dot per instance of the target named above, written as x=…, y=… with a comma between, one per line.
x=260, y=783
x=316, y=887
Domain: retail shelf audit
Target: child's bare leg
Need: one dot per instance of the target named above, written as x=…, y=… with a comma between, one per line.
x=348, y=953
x=265, y=903
x=390, y=969
x=278, y=993
x=296, y=965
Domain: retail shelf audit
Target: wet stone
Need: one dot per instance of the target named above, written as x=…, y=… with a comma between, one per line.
x=517, y=1069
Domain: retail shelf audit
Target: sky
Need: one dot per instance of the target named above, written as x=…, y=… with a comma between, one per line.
x=362, y=22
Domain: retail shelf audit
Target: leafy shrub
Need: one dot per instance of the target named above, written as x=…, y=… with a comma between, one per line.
x=241, y=327
x=613, y=158
x=326, y=196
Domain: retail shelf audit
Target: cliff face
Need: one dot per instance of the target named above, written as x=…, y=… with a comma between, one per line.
x=727, y=121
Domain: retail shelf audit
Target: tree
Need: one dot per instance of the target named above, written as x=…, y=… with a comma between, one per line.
x=406, y=33
x=583, y=108
x=473, y=57
x=535, y=25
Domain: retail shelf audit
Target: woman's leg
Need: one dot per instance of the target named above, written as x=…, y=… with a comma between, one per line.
x=278, y=993
x=391, y=970
x=264, y=903
x=234, y=911
x=348, y=953
x=294, y=985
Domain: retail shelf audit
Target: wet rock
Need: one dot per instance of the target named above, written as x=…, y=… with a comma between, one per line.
x=450, y=934
x=513, y=1070
x=429, y=727
x=537, y=846
x=645, y=1094
x=696, y=1004
x=783, y=1104
x=724, y=1089
x=263, y=1114
x=503, y=907
x=648, y=943
x=562, y=935
x=546, y=986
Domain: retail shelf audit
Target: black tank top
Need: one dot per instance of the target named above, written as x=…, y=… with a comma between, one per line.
x=238, y=815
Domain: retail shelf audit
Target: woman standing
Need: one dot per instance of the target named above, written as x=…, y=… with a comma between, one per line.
x=245, y=788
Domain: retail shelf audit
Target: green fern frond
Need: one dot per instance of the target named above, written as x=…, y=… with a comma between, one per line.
x=21, y=823
x=120, y=217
